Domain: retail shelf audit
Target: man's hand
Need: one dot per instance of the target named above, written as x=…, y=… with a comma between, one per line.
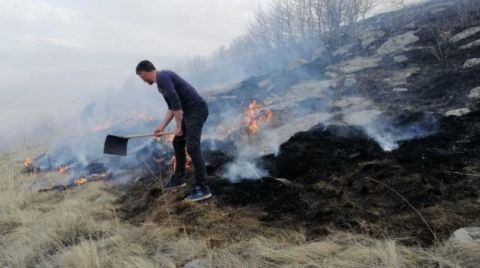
x=158, y=132
x=178, y=131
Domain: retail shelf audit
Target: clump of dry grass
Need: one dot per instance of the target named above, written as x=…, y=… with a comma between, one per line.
x=80, y=228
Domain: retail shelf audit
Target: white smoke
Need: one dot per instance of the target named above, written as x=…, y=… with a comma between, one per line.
x=250, y=148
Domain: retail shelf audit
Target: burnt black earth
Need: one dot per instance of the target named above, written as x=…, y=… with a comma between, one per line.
x=338, y=178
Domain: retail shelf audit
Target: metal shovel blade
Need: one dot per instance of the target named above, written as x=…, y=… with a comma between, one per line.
x=115, y=145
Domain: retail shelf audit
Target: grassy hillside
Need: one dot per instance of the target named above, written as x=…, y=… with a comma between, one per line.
x=85, y=227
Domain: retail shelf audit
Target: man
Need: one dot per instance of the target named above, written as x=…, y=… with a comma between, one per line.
x=190, y=112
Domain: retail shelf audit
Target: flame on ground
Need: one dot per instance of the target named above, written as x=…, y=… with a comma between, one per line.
x=188, y=163
x=255, y=115
x=80, y=181
x=27, y=162
x=62, y=169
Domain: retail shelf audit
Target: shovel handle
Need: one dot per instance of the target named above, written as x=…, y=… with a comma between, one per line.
x=144, y=135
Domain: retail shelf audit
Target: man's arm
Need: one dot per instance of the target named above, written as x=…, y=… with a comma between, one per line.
x=169, y=115
x=174, y=100
x=166, y=120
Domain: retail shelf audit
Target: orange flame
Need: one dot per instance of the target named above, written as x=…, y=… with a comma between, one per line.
x=62, y=169
x=188, y=163
x=27, y=162
x=254, y=116
x=80, y=181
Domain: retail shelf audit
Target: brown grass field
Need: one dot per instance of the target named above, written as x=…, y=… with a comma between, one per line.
x=82, y=227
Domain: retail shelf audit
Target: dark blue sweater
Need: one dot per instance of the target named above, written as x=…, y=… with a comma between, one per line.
x=178, y=93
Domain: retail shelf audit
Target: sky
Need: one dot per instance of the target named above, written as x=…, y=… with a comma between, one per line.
x=55, y=54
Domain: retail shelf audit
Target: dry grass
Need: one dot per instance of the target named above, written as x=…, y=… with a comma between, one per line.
x=80, y=228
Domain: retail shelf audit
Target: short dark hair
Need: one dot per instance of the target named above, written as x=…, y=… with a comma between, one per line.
x=145, y=66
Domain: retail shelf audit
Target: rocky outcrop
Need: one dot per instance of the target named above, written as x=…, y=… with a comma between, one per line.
x=469, y=235
x=470, y=63
x=465, y=34
x=398, y=44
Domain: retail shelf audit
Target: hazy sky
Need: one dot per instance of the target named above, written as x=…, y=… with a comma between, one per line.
x=53, y=53
x=46, y=44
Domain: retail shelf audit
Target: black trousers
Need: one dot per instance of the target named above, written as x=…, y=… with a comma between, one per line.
x=192, y=125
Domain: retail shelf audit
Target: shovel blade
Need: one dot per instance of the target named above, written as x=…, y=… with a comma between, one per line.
x=115, y=145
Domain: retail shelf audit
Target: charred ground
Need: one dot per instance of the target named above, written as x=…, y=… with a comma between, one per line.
x=327, y=185
x=335, y=176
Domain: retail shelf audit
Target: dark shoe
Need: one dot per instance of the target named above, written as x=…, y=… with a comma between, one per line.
x=198, y=194
x=176, y=181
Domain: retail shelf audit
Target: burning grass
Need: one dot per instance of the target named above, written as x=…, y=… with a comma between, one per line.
x=88, y=227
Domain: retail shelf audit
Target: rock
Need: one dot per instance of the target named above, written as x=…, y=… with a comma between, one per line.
x=474, y=93
x=400, y=77
x=472, y=44
x=400, y=89
x=398, y=43
x=296, y=63
x=304, y=90
x=344, y=50
x=458, y=112
x=369, y=37
x=357, y=64
x=469, y=235
x=471, y=63
x=465, y=34
x=400, y=59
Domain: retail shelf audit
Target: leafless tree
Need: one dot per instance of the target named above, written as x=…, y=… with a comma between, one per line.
x=286, y=30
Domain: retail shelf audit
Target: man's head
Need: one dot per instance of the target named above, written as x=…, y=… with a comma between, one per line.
x=147, y=72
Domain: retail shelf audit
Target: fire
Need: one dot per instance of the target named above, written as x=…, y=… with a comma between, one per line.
x=188, y=163
x=80, y=181
x=27, y=162
x=62, y=169
x=255, y=115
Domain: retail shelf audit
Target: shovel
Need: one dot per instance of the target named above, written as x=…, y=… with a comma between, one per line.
x=117, y=145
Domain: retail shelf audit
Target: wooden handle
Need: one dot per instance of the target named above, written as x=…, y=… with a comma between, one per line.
x=144, y=135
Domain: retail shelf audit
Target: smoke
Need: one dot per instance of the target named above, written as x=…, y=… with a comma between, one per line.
x=243, y=167
x=250, y=148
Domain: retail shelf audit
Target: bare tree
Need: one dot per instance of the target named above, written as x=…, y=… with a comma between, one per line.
x=284, y=31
